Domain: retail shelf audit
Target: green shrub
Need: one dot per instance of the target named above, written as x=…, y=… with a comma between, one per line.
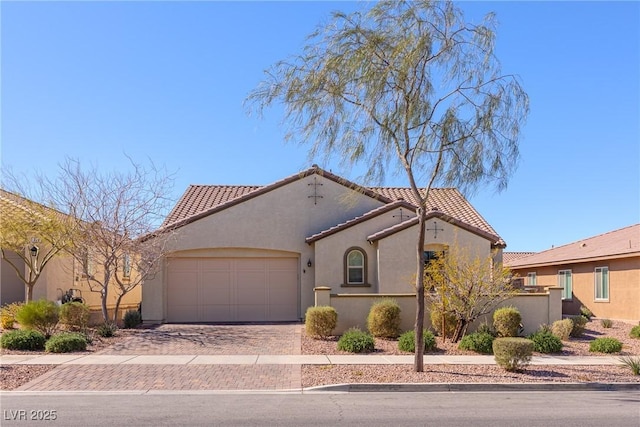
x=384, y=319
x=545, y=342
x=41, y=315
x=606, y=323
x=407, y=341
x=506, y=321
x=436, y=321
x=8, y=314
x=562, y=328
x=22, y=339
x=480, y=342
x=75, y=315
x=584, y=311
x=486, y=328
x=512, y=353
x=605, y=345
x=66, y=342
x=579, y=323
x=635, y=332
x=356, y=341
x=632, y=363
x=107, y=329
x=132, y=318
x=319, y=322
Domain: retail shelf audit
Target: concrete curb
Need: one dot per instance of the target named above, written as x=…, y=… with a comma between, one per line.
x=470, y=387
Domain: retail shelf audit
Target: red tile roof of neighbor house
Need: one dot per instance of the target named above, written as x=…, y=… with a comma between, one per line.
x=507, y=257
x=621, y=243
x=202, y=200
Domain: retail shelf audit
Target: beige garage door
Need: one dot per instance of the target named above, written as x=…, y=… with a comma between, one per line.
x=232, y=289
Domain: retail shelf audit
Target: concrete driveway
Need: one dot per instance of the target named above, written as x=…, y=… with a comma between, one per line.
x=253, y=339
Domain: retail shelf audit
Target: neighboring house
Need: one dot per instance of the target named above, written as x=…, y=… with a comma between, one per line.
x=256, y=253
x=600, y=272
x=59, y=276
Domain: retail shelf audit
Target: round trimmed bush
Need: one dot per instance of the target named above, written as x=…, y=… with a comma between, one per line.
x=319, y=322
x=512, y=353
x=506, y=321
x=436, y=321
x=635, y=332
x=356, y=341
x=562, y=328
x=605, y=345
x=132, y=318
x=22, y=339
x=384, y=319
x=41, y=315
x=66, y=342
x=545, y=342
x=407, y=341
x=75, y=315
x=579, y=323
x=480, y=342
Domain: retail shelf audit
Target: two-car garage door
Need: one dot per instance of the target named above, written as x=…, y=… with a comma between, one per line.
x=232, y=289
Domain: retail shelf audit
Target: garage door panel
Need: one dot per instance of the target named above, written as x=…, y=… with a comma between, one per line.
x=185, y=288
x=280, y=312
x=216, y=312
x=216, y=288
x=251, y=312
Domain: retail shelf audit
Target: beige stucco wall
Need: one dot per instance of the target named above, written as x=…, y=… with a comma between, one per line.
x=278, y=220
x=624, y=287
x=12, y=289
x=397, y=258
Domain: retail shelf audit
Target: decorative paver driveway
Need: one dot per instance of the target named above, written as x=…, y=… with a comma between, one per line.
x=212, y=340
x=187, y=340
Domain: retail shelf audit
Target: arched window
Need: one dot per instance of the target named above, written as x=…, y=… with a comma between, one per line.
x=355, y=267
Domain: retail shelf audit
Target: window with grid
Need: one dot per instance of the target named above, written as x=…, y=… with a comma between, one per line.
x=355, y=267
x=565, y=281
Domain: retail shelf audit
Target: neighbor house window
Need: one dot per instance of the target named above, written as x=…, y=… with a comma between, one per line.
x=355, y=267
x=88, y=265
x=565, y=281
x=126, y=265
x=602, y=283
x=531, y=279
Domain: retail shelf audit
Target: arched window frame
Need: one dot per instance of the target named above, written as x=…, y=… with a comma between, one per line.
x=347, y=267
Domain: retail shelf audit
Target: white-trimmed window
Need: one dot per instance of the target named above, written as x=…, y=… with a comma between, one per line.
x=532, y=279
x=355, y=267
x=565, y=281
x=126, y=266
x=601, y=277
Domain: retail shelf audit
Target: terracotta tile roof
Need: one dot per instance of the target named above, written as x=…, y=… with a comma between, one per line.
x=368, y=215
x=202, y=200
x=511, y=256
x=624, y=242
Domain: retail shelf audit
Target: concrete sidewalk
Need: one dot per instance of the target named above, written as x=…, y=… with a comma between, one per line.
x=186, y=359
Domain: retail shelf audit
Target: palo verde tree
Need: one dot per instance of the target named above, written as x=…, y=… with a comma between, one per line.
x=113, y=211
x=34, y=232
x=467, y=286
x=404, y=84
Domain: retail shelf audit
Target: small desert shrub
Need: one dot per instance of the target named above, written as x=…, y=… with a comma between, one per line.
x=384, y=319
x=606, y=323
x=635, y=332
x=66, y=342
x=41, y=315
x=579, y=323
x=75, y=315
x=545, y=342
x=436, y=321
x=407, y=341
x=8, y=314
x=356, y=341
x=107, y=329
x=512, y=353
x=562, y=329
x=605, y=345
x=584, y=311
x=506, y=321
x=486, y=328
x=132, y=318
x=22, y=339
x=480, y=342
x=632, y=363
x=319, y=322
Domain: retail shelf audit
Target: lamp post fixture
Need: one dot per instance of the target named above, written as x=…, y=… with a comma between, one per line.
x=34, y=255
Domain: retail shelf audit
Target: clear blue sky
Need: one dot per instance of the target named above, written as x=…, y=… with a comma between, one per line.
x=167, y=81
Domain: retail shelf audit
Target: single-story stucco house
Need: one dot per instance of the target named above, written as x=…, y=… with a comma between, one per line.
x=600, y=272
x=256, y=253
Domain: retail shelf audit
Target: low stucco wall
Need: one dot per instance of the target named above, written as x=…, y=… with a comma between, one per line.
x=536, y=308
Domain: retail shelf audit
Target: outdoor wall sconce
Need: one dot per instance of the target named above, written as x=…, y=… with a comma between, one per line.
x=309, y=263
x=34, y=251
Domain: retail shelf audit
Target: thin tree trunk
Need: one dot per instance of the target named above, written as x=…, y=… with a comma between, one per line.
x=29, y=292
x=117, y=308
x=418, y=363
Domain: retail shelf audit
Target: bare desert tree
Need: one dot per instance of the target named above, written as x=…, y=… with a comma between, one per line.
x=113, y=211
x=409, y=87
